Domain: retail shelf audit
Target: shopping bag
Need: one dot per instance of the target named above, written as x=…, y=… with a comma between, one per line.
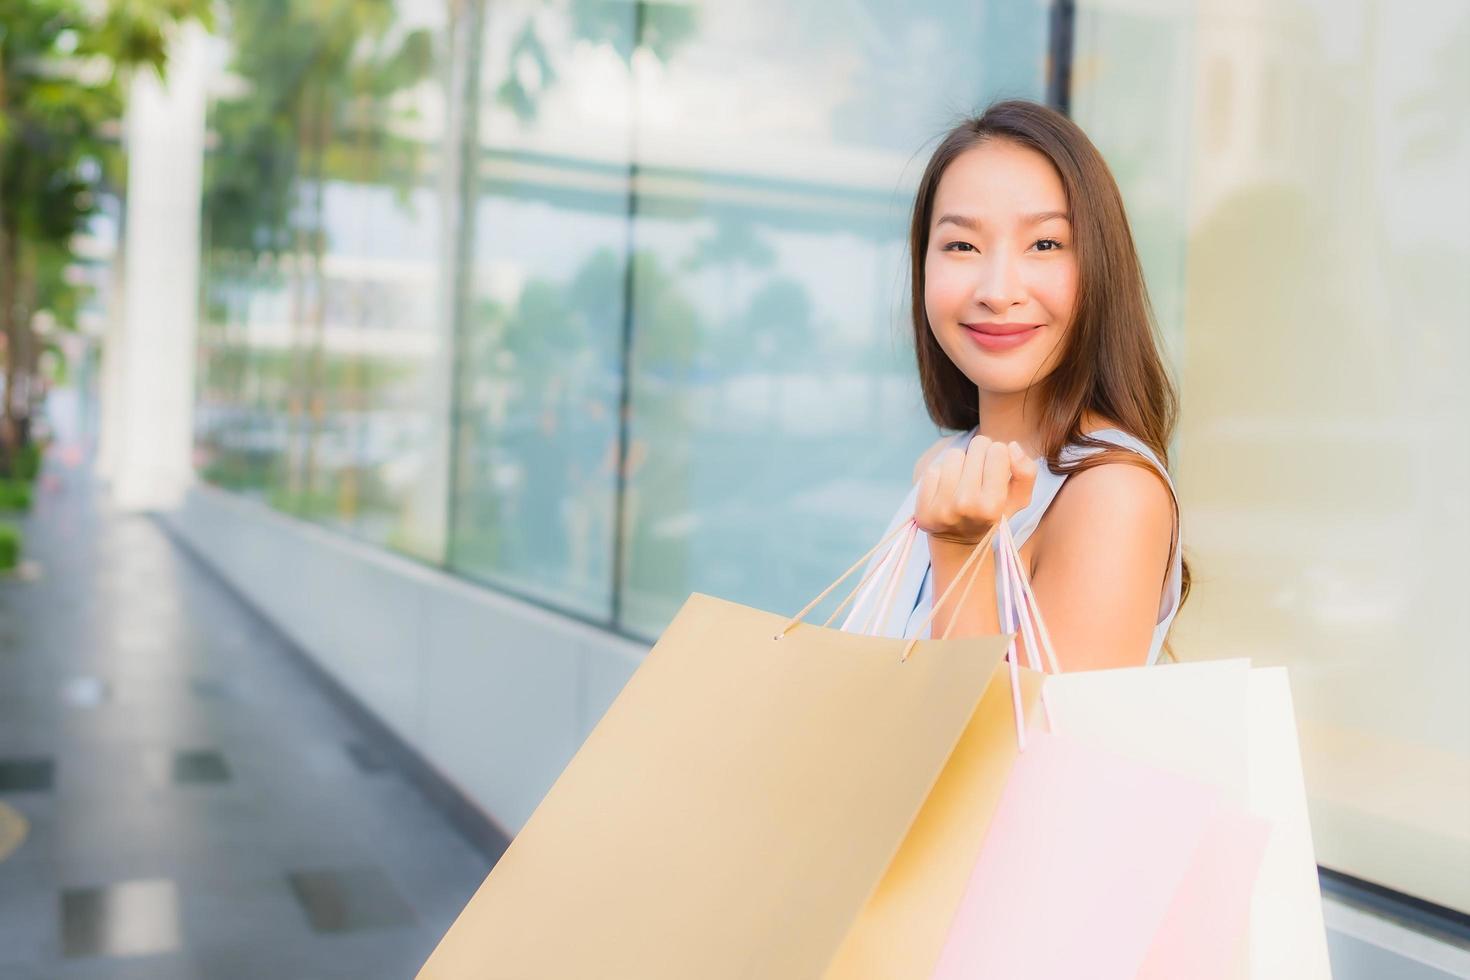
x=1205, y=933
x=1048, y=896
x=1188, y=718
x=902, y=927
x=1080, y=866
x=747, y=793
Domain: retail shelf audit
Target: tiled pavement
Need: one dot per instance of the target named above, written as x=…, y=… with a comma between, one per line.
x=198, y=805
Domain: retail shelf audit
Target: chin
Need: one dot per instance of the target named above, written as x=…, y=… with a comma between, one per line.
x=998, y=374
x=1003, y=382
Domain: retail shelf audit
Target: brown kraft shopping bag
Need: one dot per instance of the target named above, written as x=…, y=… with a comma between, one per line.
x=765, y=799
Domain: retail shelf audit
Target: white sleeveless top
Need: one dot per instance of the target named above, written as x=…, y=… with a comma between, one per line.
x=913, y=597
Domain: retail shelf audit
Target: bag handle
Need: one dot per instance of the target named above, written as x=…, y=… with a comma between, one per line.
x=900, y=554
x=910, y=527
x=870, y=581
x=965, y=575
x=791, y=623
x=880, y=614
x=1019, y=608
x=1019, y=603
x=1018, y=599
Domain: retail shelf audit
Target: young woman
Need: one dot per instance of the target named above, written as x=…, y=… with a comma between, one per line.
x=1034, y=339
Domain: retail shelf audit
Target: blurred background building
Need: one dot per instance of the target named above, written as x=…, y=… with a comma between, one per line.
x=466, y=338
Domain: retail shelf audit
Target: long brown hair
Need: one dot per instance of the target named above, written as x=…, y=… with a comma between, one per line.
x=1111, y=365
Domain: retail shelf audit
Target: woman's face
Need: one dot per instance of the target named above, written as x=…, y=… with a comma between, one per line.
x=1000, y=275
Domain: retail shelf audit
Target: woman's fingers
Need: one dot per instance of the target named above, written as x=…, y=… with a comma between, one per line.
x=928, y=488
x=996, y=483
x=967, y=494
x=1023, y=479
x=937, y=489
x=966, y=490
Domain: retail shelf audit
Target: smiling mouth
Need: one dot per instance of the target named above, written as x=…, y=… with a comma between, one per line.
x=1000, y=329
x=1001, y=336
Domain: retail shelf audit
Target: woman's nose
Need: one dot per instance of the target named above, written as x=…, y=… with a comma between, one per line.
x=998, y=283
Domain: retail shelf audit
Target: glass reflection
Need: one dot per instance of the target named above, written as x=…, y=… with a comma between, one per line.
x=541, y=345
x=1322, y=305
x=775, y=408
x=318, y=334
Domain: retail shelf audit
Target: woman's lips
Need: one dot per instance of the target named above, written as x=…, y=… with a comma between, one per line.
x=1001, y=336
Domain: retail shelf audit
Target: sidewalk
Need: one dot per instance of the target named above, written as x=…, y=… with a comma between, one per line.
x=195, y=804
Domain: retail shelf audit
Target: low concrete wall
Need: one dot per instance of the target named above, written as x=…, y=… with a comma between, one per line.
x=493, y=692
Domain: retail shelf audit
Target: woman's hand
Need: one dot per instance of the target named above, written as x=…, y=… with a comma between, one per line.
x=965, y=491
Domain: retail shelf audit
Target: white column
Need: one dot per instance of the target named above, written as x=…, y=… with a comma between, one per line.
x=151, y=351
x=109, y=380
x=427, y=509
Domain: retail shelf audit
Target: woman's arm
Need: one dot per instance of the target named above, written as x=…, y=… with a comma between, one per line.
x=979, y=615
x=1098, y=560
x=1099, y=565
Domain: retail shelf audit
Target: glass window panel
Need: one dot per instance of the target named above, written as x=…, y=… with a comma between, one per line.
x=1323, y=309
x=325, y=360
x=776, y=414
x=238, y=415
x=1121, y=57
x=541, y=344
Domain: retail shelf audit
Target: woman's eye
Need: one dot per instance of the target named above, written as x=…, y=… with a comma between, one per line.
x=967, y=247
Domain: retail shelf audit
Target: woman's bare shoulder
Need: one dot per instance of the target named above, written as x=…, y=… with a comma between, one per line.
x=1109, y=506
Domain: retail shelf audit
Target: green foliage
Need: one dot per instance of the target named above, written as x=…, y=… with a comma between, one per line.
x=63, y=67
x=314, y=106
x=56, y=104
x=15, y=495
x=9, y=547
x=64, y=63
x=27, y=462
x=135, y=33
x=316, y=78
x=236, y=471
x=666, y=344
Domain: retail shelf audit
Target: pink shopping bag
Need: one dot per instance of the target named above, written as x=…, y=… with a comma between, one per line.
x=1205, y=932
x=1099, y=865
x=1080, y=866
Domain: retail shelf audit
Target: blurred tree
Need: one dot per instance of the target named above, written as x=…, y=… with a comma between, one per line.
x=655, y=26
x=63, y=67
x=317, y=80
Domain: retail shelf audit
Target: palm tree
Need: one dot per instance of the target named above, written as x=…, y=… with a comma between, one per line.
x=63, y=68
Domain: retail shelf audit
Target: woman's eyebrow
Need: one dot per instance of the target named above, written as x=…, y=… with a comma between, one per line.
x=1030, y=219
x=958, y=219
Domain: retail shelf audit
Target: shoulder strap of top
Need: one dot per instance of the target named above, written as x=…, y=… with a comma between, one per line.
x=1049, y=483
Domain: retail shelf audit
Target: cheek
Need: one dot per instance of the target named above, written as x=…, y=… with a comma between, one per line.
x=1056, y=288
x=946, y=291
